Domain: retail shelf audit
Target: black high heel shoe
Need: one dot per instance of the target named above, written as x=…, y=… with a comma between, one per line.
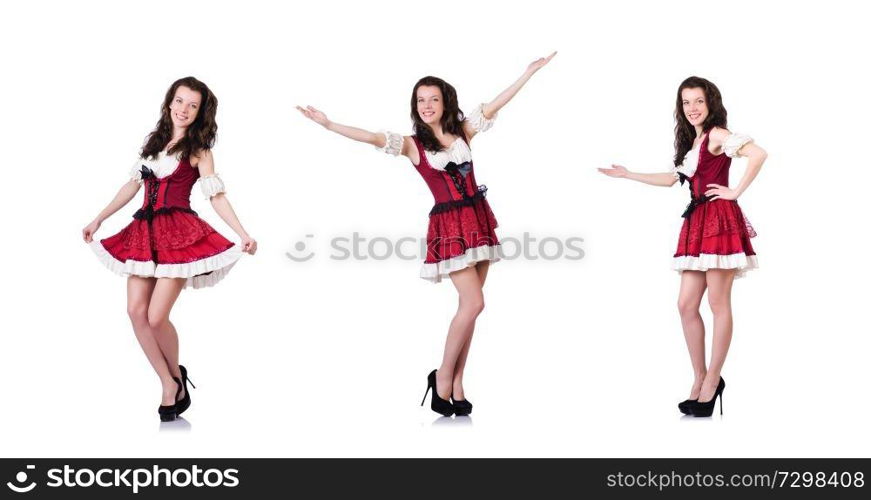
x=168, y=413
x=438, y=405
x=706, y=409
x=462, y=407
x=185, y=402
x=686, y=406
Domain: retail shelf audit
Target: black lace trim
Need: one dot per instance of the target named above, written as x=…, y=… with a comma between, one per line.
x=148, y=213
x=467, y=200
x=146, y=173
x=695, y=202
x=683, y=178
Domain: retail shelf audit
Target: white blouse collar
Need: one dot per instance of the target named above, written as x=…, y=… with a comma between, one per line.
x=458, y=152
x=163, y=165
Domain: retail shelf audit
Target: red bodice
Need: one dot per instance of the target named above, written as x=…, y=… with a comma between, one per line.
x=452, y=187
x=711, y=169
x=170, y=192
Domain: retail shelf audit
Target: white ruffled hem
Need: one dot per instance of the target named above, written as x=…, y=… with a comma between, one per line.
x=434, y=272
x=126, y=268
x=706, y=261
x=217, y=267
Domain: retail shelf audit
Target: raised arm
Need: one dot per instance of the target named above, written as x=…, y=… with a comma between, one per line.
x=123, y=197
x=213, y=189
x=358, y=134
x=490, y=109
x=664, y=179
x=735, y=146
x=387, y=142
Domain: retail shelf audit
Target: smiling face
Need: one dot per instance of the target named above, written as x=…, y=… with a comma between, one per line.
x=430, y=104
x=184, y=106
x=695, y=105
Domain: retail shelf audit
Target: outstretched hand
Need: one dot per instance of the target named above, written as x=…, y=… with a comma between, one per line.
x=539, y=63
x=314, y=115
x=615, y=171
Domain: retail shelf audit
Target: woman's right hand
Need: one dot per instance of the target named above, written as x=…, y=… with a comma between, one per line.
x=539, y=63
x=617, y=171
x=89, y=230
x=314, y=115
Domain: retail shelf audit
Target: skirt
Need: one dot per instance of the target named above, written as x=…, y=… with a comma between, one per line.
x=173, y=244
x=716, y=235
x=460, y=238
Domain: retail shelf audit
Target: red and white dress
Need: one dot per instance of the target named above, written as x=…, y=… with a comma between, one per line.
x=166, y=238
x=715, y=234
x=462, y=226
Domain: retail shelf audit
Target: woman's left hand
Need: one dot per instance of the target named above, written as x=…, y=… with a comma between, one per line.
x=89, y=230
x=539, y=63
x=249, y=245
x=721, y=192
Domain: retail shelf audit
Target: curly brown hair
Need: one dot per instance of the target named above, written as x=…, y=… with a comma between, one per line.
x=684, y=132
x=200, y=135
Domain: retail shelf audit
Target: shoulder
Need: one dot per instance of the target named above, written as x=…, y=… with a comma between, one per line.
x=718, y=135
x=202, y=157
x=204, y=162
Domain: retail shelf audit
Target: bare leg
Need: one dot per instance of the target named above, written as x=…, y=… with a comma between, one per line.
x=471, y=304
x=166, y=291
x=139, y=292
x=458, y=393
x=167, y=339
x=720, y=298
x=692, y=288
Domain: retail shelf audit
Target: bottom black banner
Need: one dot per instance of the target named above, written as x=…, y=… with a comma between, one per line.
x=434, y=478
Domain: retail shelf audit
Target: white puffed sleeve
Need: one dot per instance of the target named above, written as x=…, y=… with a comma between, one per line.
x=478, y=121
x=734, y=143
x=393, y=145
x=211, y=185
x=136, y=172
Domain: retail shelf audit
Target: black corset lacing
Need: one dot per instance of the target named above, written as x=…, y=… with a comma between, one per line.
x=458, y=174
x=152, y=188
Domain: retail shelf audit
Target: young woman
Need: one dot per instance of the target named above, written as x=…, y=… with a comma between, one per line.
x=167, y=247
x=461, y=238
x=714, y=244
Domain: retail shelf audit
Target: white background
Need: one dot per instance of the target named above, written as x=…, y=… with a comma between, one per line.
x=329, y=358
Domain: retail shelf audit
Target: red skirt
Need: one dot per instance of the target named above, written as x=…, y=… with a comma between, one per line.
x=459, y=238
x=716, y=235
x=174, y=244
